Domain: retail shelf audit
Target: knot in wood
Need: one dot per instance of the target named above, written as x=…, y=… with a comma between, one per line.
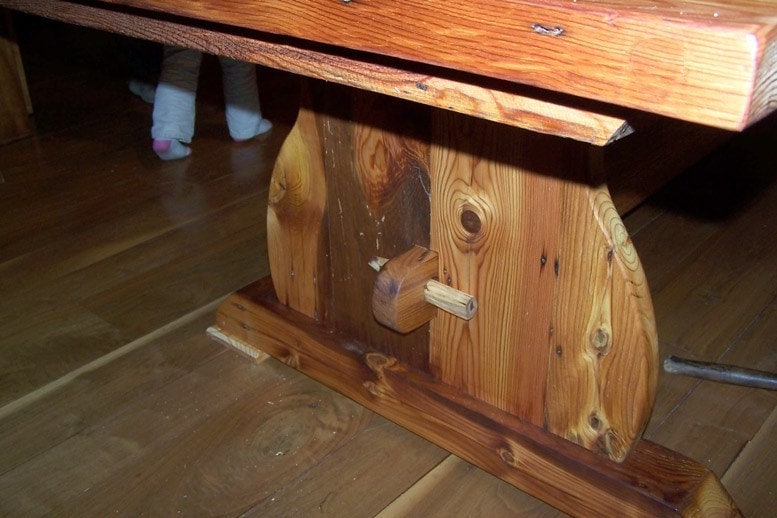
x=601, y=342
x=507, y=456
x=470, y=221
x=377, y=362
x=473, y=222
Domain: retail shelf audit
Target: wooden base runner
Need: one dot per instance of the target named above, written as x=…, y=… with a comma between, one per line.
x=652, y=481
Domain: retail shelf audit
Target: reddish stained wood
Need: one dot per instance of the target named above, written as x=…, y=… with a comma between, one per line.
x=710, y=62
x=653, y=481
x=474, y=95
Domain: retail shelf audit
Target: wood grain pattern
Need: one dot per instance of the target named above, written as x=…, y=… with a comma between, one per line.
x=183, y=425
x=297, y=238
x=503, y=102
x=378, y=204
x=350, y=182
x=66, y=255
x=710, y=61
x=495, y=227
x=653, y=481
x=726, y=262
x=564, y=309
x=92, y=223
x=750, y=478
x=604, y=367
x=457, y=488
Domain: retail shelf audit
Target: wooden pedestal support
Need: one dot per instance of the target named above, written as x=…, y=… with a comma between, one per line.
x=548, y=376
x=652, y=481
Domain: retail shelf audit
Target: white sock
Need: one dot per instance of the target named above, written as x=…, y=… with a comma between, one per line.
x=170, y=149
x=145, y=91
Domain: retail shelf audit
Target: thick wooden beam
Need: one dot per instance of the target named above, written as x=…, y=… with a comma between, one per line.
x=710, y=62
x=652, y=481
x=498, y=101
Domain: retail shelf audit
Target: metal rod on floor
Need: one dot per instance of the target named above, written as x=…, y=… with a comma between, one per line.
x=721, y=372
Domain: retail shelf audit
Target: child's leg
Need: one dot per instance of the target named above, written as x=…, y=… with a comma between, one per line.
x=174, y=105
x=241, y=95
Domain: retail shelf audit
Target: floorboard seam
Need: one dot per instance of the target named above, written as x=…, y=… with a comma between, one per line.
x=53, y=386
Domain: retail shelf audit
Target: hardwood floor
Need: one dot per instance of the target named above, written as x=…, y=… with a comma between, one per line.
x=114, y=400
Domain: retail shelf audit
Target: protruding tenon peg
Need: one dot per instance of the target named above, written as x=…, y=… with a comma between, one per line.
x=406, y=294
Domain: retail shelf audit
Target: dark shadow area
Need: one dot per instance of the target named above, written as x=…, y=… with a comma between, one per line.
x=729, y=179
x=104, y=62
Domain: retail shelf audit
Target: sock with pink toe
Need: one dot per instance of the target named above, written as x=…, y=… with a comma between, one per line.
x=170, y=149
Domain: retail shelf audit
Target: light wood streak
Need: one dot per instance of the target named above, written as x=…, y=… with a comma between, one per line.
x=242, y=347
x=30, y=398
x=296, y=234
x=457, y=303
x=564, y=336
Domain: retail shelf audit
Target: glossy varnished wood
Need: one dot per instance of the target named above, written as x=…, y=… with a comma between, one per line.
x=499, y=101
x=710, y=62
x=653, y=481
x=564, y=307
x=175, y=423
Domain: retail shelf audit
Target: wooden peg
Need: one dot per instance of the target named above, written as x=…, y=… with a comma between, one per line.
x=406, y=294
x=455, y=302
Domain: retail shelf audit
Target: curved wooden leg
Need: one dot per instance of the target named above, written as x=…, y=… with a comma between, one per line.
x=564, y=337
x=551, y=383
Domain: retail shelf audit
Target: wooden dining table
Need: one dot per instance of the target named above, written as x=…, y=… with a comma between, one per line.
x=444, y=222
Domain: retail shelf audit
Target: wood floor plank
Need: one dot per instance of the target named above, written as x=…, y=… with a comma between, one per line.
x=716, y=420
x=105, y=305
x=751, y=479
x=457, y=488
x=39, y=347
x=204, y=432
x=708, y=302
x=383, y=455
x=79, y=403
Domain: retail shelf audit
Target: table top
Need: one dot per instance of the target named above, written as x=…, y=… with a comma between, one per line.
x=712, y=62
x=707, y=61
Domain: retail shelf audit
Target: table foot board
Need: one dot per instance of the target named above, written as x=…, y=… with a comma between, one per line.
x=652, y=481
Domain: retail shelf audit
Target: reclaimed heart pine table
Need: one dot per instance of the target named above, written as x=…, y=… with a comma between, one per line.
x=444, y=230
